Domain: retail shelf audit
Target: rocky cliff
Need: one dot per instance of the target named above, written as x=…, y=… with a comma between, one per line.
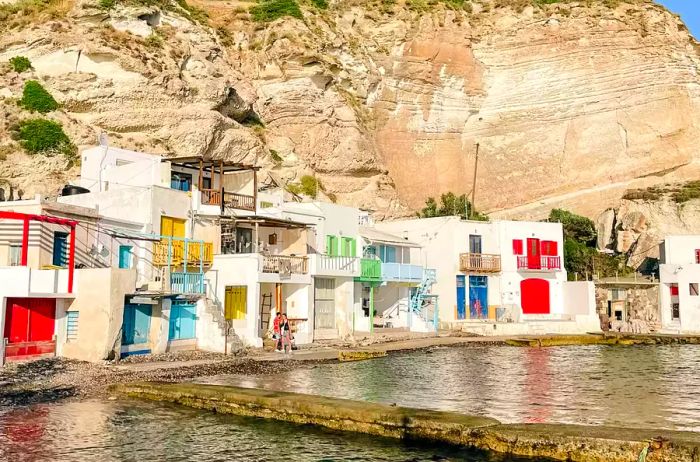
x=384, y=102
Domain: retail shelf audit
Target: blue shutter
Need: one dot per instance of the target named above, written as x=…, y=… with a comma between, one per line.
x=72, y=325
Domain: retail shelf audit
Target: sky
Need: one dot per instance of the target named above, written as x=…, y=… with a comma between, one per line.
x=689, y=11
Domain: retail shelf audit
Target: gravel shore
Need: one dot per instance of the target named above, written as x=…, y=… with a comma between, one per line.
x=55, y=378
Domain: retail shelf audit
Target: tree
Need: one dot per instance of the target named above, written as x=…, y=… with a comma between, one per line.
x=451, y=205
x=576, y=227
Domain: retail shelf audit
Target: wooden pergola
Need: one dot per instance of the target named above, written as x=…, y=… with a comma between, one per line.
x=218, y=196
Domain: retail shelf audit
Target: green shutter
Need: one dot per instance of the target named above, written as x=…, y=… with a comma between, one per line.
x=353, y=248
x=331, y=245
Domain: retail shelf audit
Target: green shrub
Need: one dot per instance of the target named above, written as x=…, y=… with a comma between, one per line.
x=580, y=229
x=320, y=4
x=269, y=10
x=451, y=205
x=43, y=136
x=275, y=156
x=107, y=4
x=20, y=63
x=307, y=186
x=154, y=41
x=36, y=98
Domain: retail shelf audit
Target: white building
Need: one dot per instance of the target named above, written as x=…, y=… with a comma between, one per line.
x=500, y=277
x=679, y=275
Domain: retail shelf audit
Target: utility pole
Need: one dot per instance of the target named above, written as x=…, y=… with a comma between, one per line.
x=476, y=164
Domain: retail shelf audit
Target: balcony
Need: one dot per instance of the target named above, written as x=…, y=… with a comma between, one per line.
x=179, y=250
x=284, y=264
x=239, y=201
x=370, y=270
x=479, y=263
x=401, y=272
x=187, y=283
x=541, y=263
x=326, y=265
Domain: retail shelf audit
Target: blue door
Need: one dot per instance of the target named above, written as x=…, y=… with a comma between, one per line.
x=125, y=256
x=182, y=321
x=137, y=323
x=478, y=297
x=461, y=297
x=60, y=249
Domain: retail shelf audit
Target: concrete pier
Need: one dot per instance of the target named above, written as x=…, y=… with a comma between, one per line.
x=559, y=442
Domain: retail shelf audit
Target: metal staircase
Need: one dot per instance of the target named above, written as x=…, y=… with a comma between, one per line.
x=423, y=305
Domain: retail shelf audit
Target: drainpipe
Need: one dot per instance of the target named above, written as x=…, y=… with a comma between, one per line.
x=371, y=308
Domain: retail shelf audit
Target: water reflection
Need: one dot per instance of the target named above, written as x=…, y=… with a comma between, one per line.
x=134, y=430
x=641, y=386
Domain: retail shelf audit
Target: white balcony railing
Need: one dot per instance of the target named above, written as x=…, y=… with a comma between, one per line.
x=326, y=265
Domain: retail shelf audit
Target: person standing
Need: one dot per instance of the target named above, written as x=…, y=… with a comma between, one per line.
x=286, y=332
x=276, y=333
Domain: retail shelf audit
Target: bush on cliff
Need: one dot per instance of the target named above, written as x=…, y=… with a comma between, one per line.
x=36, y=98
x=20, y=63
x=42, y=136
x=269, y=10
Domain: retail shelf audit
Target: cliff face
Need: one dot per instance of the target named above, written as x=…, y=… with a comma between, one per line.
x=571, y=103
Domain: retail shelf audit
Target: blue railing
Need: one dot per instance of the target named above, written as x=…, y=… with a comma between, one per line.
x=187, y=283
x=401, y=272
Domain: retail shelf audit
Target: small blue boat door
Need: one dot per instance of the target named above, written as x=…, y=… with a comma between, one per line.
x=461, y=297
x=478, y=297
x=182, y=321
x=137, y=323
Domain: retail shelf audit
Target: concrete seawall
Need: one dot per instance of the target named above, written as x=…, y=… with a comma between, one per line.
x=559, y=442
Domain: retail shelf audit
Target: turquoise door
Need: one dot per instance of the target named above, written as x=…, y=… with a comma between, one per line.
x=137, y=323
x=125, y=256
x=182, y=321
x=60, y=249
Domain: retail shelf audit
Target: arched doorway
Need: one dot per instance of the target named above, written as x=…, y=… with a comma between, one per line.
x=534, y=296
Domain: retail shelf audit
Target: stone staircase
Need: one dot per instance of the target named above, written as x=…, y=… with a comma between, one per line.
x=213, y=324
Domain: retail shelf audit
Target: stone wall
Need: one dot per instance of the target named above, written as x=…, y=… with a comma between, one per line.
x=642, y=306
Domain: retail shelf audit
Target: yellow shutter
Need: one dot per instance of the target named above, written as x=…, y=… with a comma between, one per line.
x=172, y=227
x=236, y=302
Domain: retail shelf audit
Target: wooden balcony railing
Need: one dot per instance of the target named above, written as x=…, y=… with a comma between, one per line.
x=176, y=250
x=284, y=264
x=211, y=196
x=239, y=201
x=479, y=263
x=541, y=263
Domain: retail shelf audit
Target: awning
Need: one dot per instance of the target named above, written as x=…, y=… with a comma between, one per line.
x=219, y=165
x=375, y=236
x=267, y=221
x=128, y=234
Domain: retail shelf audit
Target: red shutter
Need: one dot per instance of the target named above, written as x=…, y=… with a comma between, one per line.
x=674, y=289
x=697, y=256
x=549, y=248
x=517, y=247
x=555, y=250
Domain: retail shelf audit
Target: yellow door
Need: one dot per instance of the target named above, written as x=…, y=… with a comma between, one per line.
x=236, y=302
x=172, y=227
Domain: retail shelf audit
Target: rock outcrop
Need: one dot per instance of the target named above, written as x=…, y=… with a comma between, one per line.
x=570, y=103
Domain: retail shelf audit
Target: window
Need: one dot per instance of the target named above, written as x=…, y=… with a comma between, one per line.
x=697, y=256
x=474, y=243
x=122, y=162
x=517, y=246
x=181, y=181
x=331, y=245
x=387, y=254
x=348, y=247
x=266, y=204
x=125, y=256
x=15, y=254
x=60, y=249
x=674, y=290
x=236, y=302
x=72, y=325
x=549, y=248
x=694, y=289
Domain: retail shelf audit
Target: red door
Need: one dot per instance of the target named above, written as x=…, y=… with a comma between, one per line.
x=29, y=326
x=534, y=296
x=534, y=260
